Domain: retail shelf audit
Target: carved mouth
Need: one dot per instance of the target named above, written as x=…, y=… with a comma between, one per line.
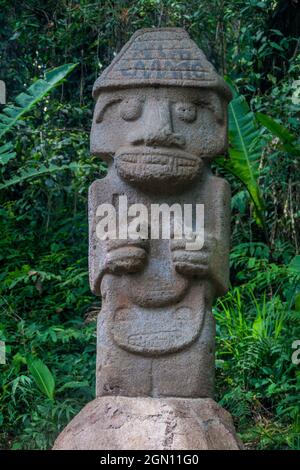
x=157, y=157
x=158, y=169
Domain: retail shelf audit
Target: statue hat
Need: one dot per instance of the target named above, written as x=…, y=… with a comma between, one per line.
x=161, y=56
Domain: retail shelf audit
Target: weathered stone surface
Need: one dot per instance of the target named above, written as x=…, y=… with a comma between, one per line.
x=118, y=423
x=162, y=56
x=160, y=119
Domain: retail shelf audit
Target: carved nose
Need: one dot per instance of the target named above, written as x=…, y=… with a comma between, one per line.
x=157, y=129
x=164, y=137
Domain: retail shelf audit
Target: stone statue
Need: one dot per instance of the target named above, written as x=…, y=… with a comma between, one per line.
x=160, y=119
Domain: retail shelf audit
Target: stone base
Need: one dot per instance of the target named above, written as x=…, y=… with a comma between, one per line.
x=123, y=423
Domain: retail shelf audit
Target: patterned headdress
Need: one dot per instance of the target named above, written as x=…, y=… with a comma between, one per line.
x=162, y=56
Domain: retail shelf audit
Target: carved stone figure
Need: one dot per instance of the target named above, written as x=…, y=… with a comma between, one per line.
x=160, y=119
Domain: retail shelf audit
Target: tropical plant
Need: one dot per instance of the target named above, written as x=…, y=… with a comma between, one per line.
x=245, y=150
x=35, y=93
x=287, y=139
x=13, y=113
x=42, y=376
x=47, y=312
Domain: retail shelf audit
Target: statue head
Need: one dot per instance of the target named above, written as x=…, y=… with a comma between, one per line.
x=161, y=111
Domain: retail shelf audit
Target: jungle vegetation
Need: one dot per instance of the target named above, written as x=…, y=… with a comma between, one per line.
x=51, y=52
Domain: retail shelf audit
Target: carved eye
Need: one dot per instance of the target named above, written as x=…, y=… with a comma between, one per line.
x=213, y=104
x=131, y=109
x=186, y=111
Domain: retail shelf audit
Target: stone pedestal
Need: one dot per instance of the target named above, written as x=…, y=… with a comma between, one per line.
x=124, y=423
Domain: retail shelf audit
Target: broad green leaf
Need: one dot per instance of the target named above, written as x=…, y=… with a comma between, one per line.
x=35, y=93
x=287, y=139
x=245, y=150
x=6, y=153
x=42, y=376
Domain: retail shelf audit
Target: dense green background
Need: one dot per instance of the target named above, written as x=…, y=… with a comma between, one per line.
x=46, y=309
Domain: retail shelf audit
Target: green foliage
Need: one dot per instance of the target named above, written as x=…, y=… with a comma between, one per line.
x=6, y=153
x=245, y=150
x=42, y=376
x=47, y=313
x=29, y=173
x=255, y=325
x=257, y=379
x=12, y=114
x=35, y=93
x=287, y=139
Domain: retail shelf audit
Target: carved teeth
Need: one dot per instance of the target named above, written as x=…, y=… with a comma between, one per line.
x=186, y=162
x=129, y=158
x=150, y=159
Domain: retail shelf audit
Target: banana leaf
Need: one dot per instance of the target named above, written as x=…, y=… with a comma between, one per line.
x=245, y=150
x=35, y=93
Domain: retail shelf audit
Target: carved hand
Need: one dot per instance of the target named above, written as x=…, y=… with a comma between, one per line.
x=194, y=263
x=125, y=256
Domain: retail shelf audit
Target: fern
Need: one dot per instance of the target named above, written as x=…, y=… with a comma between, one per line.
x=34, y=172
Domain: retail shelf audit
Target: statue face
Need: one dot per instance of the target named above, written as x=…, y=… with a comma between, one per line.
x=159, y=136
